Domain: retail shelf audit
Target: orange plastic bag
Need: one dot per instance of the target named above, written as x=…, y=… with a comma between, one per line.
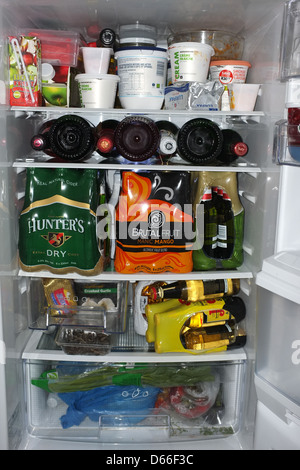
x=154, y=223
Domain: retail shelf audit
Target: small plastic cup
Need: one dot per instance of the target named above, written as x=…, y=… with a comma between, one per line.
x=243, y=96
x=96, y=59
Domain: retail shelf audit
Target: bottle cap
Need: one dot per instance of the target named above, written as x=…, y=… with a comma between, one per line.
x=167, y=145
x=107, y=36
x=105, y=144
x=48, y=72
x=240, y=149
x=38, y=142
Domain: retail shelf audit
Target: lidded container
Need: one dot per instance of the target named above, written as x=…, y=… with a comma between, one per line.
x=226, y=45
x=137, y=35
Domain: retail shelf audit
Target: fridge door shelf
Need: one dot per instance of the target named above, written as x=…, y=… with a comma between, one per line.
x=280, y=274
x=282, y=406
x=278, y=326
x=158, y=410
x=286, y=148
x=290, y=43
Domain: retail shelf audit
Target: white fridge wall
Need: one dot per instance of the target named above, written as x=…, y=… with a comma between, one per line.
x=260, y=22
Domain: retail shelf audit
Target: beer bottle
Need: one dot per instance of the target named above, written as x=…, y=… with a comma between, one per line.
x=136, y=138
x=192, y=290
x=200, y=141
x=233, y=147
x=210, y=224
x=215, y=336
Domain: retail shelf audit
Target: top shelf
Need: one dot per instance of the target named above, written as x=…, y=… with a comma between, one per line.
x=160, y=112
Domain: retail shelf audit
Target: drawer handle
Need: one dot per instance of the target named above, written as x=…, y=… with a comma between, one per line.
x=291, y=417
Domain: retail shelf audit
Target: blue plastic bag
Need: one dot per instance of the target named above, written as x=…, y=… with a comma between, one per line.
x=108, y=400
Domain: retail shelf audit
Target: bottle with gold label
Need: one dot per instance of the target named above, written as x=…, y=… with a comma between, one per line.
x=169, y=320
x=192, y=290
x=216, y=336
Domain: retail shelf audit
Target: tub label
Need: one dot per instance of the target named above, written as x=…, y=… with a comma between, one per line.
x=229, y=73
x=189, y=63
x=142, y=76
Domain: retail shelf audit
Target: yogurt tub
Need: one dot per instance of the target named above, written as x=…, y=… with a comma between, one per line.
x=142, y=73
x=97, y=91
x=229, y=71
x=190, y=61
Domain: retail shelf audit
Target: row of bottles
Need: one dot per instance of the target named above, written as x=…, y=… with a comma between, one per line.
x=137, y=138
x=205, y=325
x=193, y=316
x=191, y=290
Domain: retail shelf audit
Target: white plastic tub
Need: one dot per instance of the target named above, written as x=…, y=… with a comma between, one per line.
x=229, y=71
x=97, y=91
x=142, y=73
x=190, y=61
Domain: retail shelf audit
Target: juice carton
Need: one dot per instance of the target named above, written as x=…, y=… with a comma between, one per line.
x=25, y=71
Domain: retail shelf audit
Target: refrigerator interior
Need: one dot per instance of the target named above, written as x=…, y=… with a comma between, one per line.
x=24, y=408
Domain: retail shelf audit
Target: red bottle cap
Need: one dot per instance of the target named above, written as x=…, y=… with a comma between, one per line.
x=240, y=149
x=105, y=144
x=38, y=142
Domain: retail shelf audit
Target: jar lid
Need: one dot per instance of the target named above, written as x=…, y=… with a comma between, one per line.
x=230, y=62
x=137, y=30
x=48, y=72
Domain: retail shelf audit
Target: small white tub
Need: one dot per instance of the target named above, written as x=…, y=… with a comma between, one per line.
x=97, y=91
x=190, y=61
x=229, y=71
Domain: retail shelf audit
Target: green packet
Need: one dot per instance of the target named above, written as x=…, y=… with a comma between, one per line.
x=57, y=226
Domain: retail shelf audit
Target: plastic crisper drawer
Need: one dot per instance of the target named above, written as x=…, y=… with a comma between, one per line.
x=278, y=324
x=111, y=402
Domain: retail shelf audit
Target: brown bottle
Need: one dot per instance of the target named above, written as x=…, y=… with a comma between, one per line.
x=211, y=337
x=193, y=290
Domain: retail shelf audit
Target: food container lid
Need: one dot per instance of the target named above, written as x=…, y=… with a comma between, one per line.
x=147, y=48
x=48, y=72
x=88, y=76
x=138, y=40
x=141, y=31
x=230, y=62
